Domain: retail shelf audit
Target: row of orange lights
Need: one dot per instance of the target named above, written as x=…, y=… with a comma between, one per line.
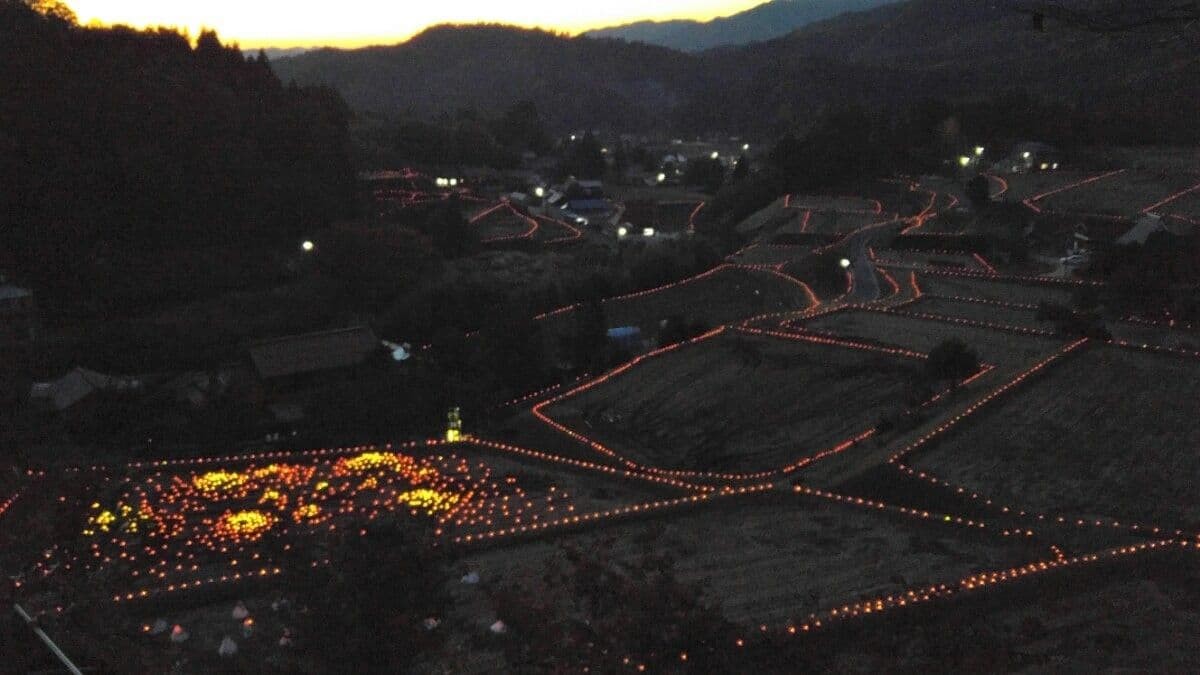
x=608, y=514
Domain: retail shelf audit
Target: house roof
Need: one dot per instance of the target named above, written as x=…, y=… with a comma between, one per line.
x=313, y=352
x=78, y=384
x=11, y=292
x=1141, y=231
x=588, y=204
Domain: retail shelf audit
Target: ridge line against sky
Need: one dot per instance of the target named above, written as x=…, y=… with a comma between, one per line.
x=359, y=23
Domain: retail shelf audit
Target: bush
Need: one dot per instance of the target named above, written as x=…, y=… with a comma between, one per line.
x=951, y=360
x=678, y=329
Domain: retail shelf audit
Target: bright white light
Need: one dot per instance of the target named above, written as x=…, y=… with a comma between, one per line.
x=964, y=161
x=647, y=231
x=662, y=177
x=1026, y=154
x=572, y=137
x=453, y=182
x=442, y=182
x=539, y=191
x=307, y=246
x=979, y=151
x=1054, y=166
x=1045, y=166
x=745, y=146
x=715, y=154
x=622, y=231
x=845, y=263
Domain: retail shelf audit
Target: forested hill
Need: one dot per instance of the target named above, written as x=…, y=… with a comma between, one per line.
x=893, y=55
x=489, y=68
x=1134, y=87
x=764, y=22
x=122, y=149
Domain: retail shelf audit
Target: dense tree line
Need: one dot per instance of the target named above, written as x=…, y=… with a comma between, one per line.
x=139, y=168
x=466, y=137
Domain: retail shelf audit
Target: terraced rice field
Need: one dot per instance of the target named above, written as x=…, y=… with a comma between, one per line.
x=723, y=297
x=1125, y=194
x=979, y=312
x=772, y=561
x=736, y=403
x=1108, y=432
x=1002, y=349
x=1027, y=294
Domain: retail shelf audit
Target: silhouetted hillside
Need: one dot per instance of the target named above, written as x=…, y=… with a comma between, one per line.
x=764, y=22
x=893, y=55
x=136, y=167
x=578, y=82
x=952, y=49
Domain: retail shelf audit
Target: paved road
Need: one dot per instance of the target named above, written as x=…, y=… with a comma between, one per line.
x=866, y=281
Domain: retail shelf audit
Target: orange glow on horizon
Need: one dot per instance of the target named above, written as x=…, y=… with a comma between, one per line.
x=358, y=23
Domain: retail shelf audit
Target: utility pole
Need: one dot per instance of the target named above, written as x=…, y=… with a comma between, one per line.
x=46, y=639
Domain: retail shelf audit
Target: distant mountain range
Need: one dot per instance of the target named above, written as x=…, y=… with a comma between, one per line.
x=765, y=22
x=893, y=55
x=277, y=52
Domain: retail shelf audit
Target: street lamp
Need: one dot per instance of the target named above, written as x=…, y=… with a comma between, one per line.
x=622, y=231
x=964, y=161
x=979, y=151
x=308, y=246
x=662, y=177
x=845, y=263
x=647, y=231
x=745, y=147
x=539, y=192
x=715, y=154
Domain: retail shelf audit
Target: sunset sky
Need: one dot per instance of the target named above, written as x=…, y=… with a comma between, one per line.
x=351, y=23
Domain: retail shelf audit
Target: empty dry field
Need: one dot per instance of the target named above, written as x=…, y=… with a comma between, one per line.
x=1125, y=194
x=770, y=254
x=502, y=223
x=1107, y=432
x=1022, y=186
x=1003, y=349
x=834, y=222
x=1025, y=318
x=962, y=261
x=1139, y=615
x=725, y=296
x=1024, y=294
x=739, y=403
x=1187, y=206
x=827, y=203
x=774, y=559
x=1173, y=338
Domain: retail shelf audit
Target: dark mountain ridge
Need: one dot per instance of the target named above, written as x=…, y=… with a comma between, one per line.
x=764, y=22
x=581, y=82
x=889, y=56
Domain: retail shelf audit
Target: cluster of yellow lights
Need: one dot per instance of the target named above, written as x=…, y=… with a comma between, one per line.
x=245, y=525
x=208, y=526
x=431, y=501
x=219, y=482
x=306, y=512
x=124, y=519
x=370, y=461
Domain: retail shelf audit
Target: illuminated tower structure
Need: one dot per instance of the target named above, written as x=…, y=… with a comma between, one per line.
x=453, y=425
